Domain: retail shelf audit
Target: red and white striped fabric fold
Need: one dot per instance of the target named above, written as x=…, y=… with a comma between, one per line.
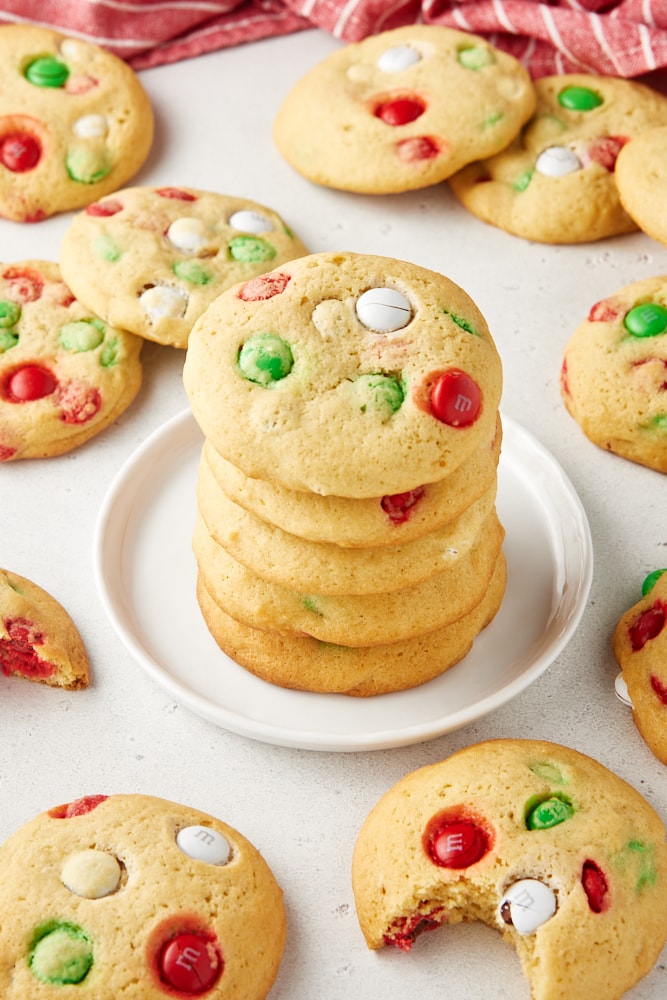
x=613, y=37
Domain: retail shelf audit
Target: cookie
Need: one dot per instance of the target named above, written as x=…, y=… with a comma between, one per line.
x=613, y=373
x=349, y=619
x=327, y=568
x=305, y=663
x=65, y=374
x=75, y=123
x=151, y=259
x=555, y=183
x=640, y=647
x=135, y=897
x=641, y=178
x=402, y=109
x=538, y=841
x=345, y=374
x=38, y=639
x=387, y=520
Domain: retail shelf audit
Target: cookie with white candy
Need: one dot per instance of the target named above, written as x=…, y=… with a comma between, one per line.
x=402, y=109
x=151, y=259
x=136, y=897
x=345, y=374
x=538, y=841
x=75, y=122
x=555, y=183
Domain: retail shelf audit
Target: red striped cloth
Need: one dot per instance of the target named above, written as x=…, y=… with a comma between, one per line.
x=612, y=37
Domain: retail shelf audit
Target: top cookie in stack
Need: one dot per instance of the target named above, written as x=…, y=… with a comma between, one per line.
x=347, y=537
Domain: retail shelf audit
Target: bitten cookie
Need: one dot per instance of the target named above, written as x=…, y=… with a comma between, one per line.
x=151, y=259
x=75, y=123
x=402, y=109
x=555, y=183
x=641, y=178
x=640, y=648
x=613, y=373
x=544, y=844
x=135, y=897
x=38, y=639
x=345, y=374
x=65, y=375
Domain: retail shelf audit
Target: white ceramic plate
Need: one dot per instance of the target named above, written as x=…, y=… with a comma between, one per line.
x=146, y=576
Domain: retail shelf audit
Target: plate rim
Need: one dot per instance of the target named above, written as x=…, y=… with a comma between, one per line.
x=183, y=425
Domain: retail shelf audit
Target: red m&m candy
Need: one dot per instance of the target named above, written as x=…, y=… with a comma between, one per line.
x=19, y=152
x=191, y=963
x=400, y=111
x=456, y=843
x=595, y=886
x=30, y=383
x=456, y=399
x=649, y=625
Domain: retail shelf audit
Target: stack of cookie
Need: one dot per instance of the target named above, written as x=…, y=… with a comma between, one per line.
x=347, y=536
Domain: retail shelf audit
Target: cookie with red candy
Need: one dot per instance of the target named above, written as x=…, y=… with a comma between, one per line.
x=386, y=520
x=137, y=897
x=65, y=374
x=556, y=183
x=75, y=122
x=38, y=639
x=402, y=109
x=640, y=648
x=345, y=374
x=151, y=259
x=613, y=376
x=542, y=843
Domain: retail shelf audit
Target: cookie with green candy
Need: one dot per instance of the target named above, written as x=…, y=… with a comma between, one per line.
x=152, y=259
x=541, y=843
x=136, y=897
x=613, y=373
x=345, y=374
x=402, y=109
x=65, y=374
x=555, y=183
x=640, y=648
x=75, y=122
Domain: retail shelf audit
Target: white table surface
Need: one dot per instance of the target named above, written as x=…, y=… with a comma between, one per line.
x=303, y=808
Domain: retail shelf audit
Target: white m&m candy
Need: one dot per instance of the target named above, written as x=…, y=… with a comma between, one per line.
x=383, y=310
x=204, y=844
x=556, y=161
x=527, y=904
x=398, y=58
x=248, y=221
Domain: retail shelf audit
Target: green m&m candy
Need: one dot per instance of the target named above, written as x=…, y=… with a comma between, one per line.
x=550, y=812
x=46, y=71
x=579, y=98
x=265, y=358
x=62, y=953
x=646, y=320
x=651, y=580
x=383, y=394
x=81, y=335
